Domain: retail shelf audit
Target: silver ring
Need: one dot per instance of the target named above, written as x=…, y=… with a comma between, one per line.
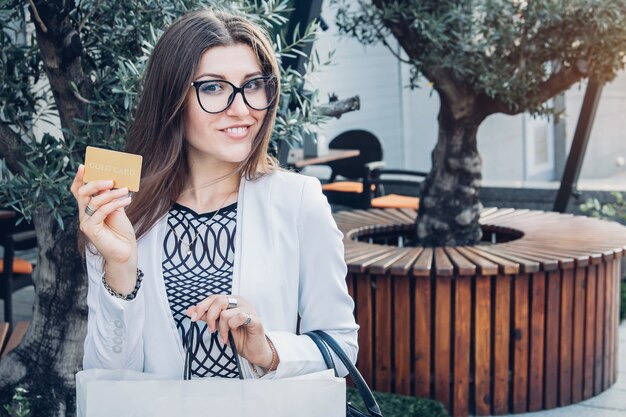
x=248, y=319
x=89, y=211
x=232, y=303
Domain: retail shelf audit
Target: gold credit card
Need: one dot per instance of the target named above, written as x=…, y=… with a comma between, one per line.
x=123, y=168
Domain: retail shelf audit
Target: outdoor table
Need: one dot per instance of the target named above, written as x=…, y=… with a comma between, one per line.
x=332, y=155
x=6, y=214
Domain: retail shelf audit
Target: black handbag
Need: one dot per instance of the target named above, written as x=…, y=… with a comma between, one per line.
x=326, y=344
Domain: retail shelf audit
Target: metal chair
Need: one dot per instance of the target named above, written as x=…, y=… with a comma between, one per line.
x=15, y=272
x=399, y=177
x=356, y=190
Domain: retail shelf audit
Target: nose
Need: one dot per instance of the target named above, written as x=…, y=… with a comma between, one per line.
x=238, y=106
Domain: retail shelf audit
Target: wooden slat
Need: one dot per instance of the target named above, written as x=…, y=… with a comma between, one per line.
x=443, y=266
x=424, y=262
x=537, y=339
x=463, y=266
x=403, y=265
x=383, y=264
x=364, y=262
x=364, y=317
x=442, y=352
x=599, y=343
x=553, y=308
x=423, y=336
x=356, y=256
x=616, y=317
x=383, y=341
x=482, y=338
x=568, y=258
x=462, y=340
x=502, y=331
x=19, y=330
x=488, y=218
x=485, y=266
x=590, y=325
x=525, y=265
x=486, y=211
x=547, y=263
x=402, y=334
x=402, y=215
x=583, y=257
x=521, y=344
x=608, y=325
x=412, y=214
x=617, y=276
x=566, y=345
x=578, y=363
x=390, y=215
x=505, y=266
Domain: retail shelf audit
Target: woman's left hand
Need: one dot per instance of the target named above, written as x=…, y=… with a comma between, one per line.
x=244, y=323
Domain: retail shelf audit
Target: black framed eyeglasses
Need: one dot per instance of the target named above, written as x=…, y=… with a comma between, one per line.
x=215, y=96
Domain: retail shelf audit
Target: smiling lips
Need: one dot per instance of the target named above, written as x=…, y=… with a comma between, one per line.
x=237, y=131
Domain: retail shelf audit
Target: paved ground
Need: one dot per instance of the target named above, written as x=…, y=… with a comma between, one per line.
x=611, y=403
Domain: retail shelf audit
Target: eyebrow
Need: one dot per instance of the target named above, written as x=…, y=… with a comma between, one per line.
x=222, y=77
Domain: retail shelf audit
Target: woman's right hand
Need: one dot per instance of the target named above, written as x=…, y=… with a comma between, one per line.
x=109, y=229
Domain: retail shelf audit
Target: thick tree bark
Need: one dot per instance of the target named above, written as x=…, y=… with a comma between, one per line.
x=51, y=352
x=449, y=204
x=61, y=50
x=9, y=146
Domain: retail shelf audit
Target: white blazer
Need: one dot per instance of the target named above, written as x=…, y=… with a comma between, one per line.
x=288, y=262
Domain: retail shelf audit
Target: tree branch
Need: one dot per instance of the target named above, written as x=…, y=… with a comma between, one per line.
x=339, y=107
x=557, y=83
x=61, y=52
x=9, y=146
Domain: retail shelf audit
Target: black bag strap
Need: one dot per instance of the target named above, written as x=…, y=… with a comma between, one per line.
x=192, y=333
x=320, y=337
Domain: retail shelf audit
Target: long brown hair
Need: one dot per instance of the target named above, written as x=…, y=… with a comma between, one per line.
x=158, y=130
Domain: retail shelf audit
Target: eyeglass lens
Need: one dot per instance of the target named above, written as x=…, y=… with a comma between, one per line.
x=215, y=95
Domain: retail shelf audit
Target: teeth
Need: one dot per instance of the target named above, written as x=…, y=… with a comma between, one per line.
x=236, y=130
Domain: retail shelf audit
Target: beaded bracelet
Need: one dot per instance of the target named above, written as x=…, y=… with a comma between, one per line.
x=272, y=363
x=126, y=297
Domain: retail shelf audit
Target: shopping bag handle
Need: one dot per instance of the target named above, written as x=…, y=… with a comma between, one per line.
x=325, y=344
x=192, y=333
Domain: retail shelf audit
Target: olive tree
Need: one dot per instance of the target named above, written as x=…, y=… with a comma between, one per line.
x=484, y=57
x=73, y=71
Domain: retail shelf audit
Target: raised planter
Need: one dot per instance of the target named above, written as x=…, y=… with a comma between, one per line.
x=523, y=323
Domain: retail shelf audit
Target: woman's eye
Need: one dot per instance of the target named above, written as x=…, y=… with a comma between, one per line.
x=211, y=88
x=253, y=85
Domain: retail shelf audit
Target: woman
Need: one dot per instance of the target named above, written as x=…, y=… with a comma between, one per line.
x=218, y=239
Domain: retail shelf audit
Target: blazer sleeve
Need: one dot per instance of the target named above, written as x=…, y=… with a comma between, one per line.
x=324, y=302
x=114, y=326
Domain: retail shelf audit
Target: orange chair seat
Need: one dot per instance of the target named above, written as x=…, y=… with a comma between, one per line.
x=396, y=201
x=20, y=266
x=345, y=187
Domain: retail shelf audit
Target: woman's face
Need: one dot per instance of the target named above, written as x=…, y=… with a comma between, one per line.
x=225, y=137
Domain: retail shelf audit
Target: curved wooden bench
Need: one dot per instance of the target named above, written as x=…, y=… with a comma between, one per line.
x=525, y=324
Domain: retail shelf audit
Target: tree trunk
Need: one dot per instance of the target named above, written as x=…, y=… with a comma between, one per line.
x=51, y=352
x=449, y=205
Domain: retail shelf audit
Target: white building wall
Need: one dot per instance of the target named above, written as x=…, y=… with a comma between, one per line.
x=606, y=149
x=501, y=147
x=373, y=74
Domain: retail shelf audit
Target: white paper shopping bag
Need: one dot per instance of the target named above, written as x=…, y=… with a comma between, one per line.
x=121, y=393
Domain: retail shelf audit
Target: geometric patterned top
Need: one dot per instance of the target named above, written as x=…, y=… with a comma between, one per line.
x=193, y=273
